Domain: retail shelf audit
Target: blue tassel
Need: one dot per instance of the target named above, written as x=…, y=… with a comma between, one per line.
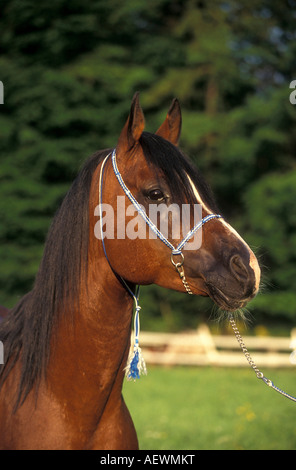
x=134, y=372
x=133, y=368
x=136, y=364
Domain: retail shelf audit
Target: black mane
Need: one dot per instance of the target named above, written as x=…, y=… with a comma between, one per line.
x=26, y=331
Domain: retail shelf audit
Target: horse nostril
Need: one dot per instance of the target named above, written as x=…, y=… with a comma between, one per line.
x=238, y=269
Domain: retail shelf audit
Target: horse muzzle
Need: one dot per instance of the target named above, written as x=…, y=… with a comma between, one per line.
x=235, y=289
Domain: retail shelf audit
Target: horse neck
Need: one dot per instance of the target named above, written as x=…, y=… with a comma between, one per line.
x=90, y=352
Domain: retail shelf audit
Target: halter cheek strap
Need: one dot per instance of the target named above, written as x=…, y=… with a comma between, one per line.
x=136, y=364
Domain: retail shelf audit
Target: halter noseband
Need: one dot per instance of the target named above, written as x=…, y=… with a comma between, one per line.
x=136, y=364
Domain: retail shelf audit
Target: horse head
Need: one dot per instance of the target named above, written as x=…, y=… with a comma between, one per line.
x=150, y=170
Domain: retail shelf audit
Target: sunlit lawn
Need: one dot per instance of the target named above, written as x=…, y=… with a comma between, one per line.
x=212, y=409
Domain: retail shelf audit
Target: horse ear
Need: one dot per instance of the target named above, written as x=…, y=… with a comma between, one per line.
x=171, y=127
x=133, y=128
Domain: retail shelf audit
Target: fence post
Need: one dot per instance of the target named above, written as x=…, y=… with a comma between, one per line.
x=206, y=339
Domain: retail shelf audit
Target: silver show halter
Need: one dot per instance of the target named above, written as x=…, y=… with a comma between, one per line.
x=175, y=251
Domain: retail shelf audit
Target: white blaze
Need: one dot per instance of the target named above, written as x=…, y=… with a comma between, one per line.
x=253, y=260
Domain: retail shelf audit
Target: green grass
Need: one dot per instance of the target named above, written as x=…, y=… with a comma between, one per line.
x=212, y=409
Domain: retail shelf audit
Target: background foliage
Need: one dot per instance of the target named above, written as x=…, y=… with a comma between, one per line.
x=70, y=70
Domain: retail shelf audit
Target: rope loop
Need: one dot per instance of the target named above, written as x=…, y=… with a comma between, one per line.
x=179, y=263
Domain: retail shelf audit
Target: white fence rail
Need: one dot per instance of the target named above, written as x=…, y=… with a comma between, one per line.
x=201, y=348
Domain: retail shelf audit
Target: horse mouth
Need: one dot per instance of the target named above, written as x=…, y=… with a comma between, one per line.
x=225, y=302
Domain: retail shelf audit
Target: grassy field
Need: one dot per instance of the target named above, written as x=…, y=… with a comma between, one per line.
x=212, y=409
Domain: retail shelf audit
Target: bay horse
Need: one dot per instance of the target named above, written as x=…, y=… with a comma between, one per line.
x=66, y=342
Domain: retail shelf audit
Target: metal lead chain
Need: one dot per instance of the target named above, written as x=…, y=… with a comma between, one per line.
x=183, y=279
x=244, y=349
x=179, y=268
x=258, y=373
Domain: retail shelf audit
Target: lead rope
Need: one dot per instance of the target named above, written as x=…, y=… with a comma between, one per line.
x=258, y=373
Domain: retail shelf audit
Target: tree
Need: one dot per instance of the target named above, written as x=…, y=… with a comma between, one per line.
x=69, y=72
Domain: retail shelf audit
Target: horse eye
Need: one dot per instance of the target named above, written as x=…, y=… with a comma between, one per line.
x=156, y=195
